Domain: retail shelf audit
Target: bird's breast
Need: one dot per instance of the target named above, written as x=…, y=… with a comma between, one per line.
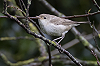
x=51, y=29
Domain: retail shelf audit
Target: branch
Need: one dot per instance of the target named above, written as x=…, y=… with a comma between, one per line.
x=95, y=3
x=15, y=38
x=66, y=17
x=76, y=41
x=95, y=57
x=37, y=61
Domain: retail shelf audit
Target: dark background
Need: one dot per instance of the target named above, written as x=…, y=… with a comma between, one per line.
x=23, y=49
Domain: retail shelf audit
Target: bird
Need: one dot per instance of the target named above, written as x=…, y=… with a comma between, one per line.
x=56, y=26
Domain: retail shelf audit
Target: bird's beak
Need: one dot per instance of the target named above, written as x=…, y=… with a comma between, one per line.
x=38, y=17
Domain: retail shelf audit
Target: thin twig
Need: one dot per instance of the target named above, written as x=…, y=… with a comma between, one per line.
x=95, y=3
x=94, y=29
x=27, y=12
x=95, y=57
x=21, y=5
x=66, y=17
x=20, y=17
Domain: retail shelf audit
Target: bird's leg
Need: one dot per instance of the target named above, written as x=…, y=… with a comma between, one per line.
x=57, y=38
x=61, y=38
x=57, y=43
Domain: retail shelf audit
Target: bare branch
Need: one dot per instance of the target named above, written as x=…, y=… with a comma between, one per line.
x=95, y=3
x=66, y=17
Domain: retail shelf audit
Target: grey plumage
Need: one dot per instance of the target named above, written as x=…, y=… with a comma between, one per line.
x=56, y=26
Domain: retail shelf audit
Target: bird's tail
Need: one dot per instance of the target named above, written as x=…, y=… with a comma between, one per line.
x=78, y=23
x=87, y=22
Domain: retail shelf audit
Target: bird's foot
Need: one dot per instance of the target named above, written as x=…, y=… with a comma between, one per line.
x=55, y=42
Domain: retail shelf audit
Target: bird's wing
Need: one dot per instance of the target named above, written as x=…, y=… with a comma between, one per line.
x=61, y=21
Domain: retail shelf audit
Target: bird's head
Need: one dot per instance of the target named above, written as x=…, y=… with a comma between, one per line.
x=44, y=17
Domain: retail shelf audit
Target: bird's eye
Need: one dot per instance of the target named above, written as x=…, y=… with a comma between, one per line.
x=44, y=17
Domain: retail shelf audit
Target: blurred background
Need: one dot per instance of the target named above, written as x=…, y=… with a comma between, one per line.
x=23, y=49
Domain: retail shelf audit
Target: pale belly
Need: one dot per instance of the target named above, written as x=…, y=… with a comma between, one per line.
x=53, y=30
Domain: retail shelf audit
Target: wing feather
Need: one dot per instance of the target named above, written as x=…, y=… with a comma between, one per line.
x=61, y=21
